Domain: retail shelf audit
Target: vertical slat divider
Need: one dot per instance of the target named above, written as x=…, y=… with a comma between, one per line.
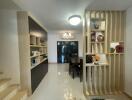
x=120, y=31
x=114, y=86
x=95, y=79
x=89, y=32
x=114, y=37
x=106, y=30
x=88, y=47
x=122, y=73
x=113, y=60
x=110, y=81
x=92, y=76
x=119, y=74
x=118, y=55
x=84, y=54
x=92, y=48
x=87, y=78
x=122, y=56
x=115, y=34
x=90, y=80
x=100, y=47
x=105, y=77
x=100, y=80
x=105, y=69
x=96, y=48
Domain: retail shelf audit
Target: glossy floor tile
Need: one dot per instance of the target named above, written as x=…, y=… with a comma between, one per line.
x=58, y=85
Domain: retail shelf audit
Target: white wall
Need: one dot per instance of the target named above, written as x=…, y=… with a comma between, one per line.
x=53, y=37
x=128, y=57
x=9, y=51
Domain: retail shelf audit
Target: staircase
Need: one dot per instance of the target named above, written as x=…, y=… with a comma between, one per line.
x=10, y=91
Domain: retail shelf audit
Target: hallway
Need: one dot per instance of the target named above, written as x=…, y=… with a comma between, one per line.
x=58, y=85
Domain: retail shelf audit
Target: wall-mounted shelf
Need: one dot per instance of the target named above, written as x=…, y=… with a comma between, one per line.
x=97, y=42
x=35, y=65
x=100, y=64
x=38, y=55
x=97, y=30
x=115, y=53
x=37, y=46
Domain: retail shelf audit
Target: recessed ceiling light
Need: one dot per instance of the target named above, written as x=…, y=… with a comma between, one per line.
x=74, y=20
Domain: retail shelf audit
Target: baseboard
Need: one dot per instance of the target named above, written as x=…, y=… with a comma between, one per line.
x=128, y=95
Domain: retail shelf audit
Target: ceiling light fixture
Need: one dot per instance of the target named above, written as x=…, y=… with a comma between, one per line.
x=74, y=20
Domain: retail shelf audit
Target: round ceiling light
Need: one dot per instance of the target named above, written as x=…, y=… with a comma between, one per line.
x=74, y=20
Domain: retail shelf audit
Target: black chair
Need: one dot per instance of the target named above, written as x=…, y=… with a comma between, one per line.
x=76, y=67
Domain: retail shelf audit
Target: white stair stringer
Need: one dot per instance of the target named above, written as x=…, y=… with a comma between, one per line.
x=20, y=95
x=1, y=75
x=9, y=92
x=4, y=83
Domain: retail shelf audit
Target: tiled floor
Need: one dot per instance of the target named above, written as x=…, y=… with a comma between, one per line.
x=58, y=85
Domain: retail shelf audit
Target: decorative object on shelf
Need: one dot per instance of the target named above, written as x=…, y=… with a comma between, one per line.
x=97, y=57
x=120, y=48
x=93, y=36
x=95, y=24
x=38, y=41
x=100, y=37
x=117, y=47
x=98, y=24
x=112, y=50
x=35, y=53
x=97, y=37
x=100, y=58
x=32, y=40
x=102, y=25
x=89, y=58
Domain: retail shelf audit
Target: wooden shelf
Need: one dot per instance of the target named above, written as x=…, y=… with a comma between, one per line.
x=100, y=64
x=37, y=46
x=34, y=56
x=38, y=55
x=38, y=63
x=115, y=53
x=97, y=30
x=98, y=19
x=96, y=42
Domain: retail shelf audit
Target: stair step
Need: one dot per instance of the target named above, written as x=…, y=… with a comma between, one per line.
x=21, y=95
x=9, y=92
x=4, y=84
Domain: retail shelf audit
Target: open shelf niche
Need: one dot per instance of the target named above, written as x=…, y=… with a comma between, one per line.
x=32, y=50
x=104, y=35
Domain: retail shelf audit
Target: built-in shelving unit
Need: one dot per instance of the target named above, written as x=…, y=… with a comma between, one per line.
x=38, y=49
x=33, y=66
x=33, y=51
x=104, y=35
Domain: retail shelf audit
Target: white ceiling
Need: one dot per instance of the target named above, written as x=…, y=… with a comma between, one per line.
x=53, y=14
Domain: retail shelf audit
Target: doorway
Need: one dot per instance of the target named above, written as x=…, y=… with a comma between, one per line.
x=65, y=50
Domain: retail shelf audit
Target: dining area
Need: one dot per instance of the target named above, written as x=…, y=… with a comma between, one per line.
x=76, y=67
